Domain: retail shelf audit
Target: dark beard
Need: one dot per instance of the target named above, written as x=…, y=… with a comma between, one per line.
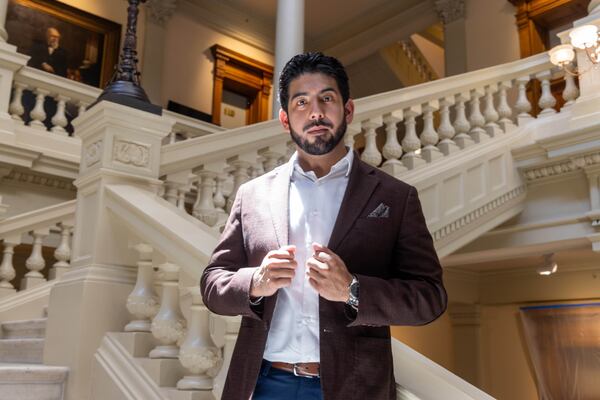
x=322, y=144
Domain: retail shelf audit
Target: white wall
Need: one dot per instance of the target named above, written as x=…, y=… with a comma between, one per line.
x=188, y=69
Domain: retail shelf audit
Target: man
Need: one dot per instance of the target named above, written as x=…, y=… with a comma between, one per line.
x=49, y=56
x=320, y=256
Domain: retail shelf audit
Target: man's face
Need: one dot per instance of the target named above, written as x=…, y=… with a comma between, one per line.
x=53, y=37
x=317, y=116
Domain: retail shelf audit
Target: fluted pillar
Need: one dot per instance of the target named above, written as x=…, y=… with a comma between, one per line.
x=289, y=39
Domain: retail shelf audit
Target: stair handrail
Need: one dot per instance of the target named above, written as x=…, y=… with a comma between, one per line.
x=193, y=152
x=38, y=219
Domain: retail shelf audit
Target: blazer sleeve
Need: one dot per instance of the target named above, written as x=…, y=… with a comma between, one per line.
x=415, y=294
x=225, y=282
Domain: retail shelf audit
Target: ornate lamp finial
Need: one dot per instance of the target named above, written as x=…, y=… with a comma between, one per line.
x=124, y=87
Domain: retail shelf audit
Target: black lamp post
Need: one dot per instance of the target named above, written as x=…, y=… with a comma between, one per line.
x=124, y=87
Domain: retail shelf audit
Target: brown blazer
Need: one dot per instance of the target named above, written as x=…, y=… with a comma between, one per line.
x=398, y=270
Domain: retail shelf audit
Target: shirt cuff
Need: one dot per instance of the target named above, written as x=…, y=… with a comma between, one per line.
x=256, y=302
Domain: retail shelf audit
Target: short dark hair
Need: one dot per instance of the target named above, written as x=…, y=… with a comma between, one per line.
x=312, y=62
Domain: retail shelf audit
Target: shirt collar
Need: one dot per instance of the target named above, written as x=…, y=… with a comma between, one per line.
x=345, y=164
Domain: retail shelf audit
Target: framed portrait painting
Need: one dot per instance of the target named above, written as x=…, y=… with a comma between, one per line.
x=64, y=40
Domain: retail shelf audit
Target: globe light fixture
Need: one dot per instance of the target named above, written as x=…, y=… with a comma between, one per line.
x=549, y=266
x=583, y=38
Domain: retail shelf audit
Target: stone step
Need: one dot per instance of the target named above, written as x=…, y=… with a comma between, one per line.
x=25, y=329
x=32, y=382
x=29, y=351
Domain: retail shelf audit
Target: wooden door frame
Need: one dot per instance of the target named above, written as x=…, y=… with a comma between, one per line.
x=243, y=75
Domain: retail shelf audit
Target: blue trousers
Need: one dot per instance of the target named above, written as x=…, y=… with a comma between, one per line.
x=275, y=384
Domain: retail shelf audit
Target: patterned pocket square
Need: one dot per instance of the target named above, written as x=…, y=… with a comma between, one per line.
x=382, y=211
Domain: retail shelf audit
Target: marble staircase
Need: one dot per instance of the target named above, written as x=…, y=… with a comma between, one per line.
x=22, y=373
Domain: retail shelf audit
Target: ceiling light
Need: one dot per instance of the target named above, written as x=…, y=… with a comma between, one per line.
x=549, y=265
x=583, y=38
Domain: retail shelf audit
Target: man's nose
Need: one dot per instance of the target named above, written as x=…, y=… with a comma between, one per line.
x=316, y=112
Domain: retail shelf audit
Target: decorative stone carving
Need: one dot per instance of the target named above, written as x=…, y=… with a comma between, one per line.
x=127, y=152
x=477, y=213
x=168, y=326
x=160, y=11
x=36, y=179
x=198, y=354
x=450, y=10
x=142, y=303
x=93, y=153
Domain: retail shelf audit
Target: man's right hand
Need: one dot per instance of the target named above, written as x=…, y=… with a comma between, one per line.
x=276, y=271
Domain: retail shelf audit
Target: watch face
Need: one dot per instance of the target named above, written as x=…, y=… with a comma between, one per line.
x=354, y=289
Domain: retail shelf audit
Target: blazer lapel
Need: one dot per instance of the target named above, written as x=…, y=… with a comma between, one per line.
x=361, y=184
x=279, y=203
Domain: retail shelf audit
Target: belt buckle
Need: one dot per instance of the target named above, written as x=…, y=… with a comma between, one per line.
x=296, y=373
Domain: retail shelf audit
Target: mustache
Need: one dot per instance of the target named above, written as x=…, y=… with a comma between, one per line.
x=318, y=122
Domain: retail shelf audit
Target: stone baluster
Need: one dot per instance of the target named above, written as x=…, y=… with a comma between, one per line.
x=392, y=150
x=7, y=270
x=62, y=252
x=411, y=143
x=16, y=108
x=142, y=302
x=272, y=155
x=219, y=198
x=504, y=111
x=445, y=130
x=204, y=208
x=489, y=112
x=35, y=263
x=240, y=176
x=352, y=130
x=461, y=123
x=371, y=154
x=571, y=92
x=258, y=168
x=523, y=106
x=476, y=119
x=177, y=185
x=38, y=115
x=198, y=354
x=168, y=326
x=59, y=120
x=81, y=107
x=429, y=136
x=547, y=100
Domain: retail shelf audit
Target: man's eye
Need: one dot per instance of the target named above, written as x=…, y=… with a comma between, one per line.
x=327, y=99
x=301, y=102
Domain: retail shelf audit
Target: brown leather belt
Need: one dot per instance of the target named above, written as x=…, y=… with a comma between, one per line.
x=307, y=370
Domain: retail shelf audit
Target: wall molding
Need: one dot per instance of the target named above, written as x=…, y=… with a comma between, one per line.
x=31, y=177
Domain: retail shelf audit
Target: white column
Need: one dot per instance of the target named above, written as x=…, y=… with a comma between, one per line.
x=371, y=154
x=289, y=39
x=392, y=150
x=158, y=14
x=452, y=14
x=7, y=270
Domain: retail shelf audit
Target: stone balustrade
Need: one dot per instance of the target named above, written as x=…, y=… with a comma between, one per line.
x=51, y=226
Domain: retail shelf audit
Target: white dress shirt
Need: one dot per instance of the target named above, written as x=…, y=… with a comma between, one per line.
x=314, y=204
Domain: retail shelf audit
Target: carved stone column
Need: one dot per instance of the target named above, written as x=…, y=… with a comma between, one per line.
x=452, y=14
x=158, y=13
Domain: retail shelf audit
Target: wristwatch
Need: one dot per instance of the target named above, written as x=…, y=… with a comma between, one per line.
x=353, y=293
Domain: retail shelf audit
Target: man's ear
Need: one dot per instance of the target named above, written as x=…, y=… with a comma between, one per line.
x=283, y=118
x=349, y=111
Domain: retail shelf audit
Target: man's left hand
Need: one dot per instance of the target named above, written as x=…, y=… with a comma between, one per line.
x=327, y=274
